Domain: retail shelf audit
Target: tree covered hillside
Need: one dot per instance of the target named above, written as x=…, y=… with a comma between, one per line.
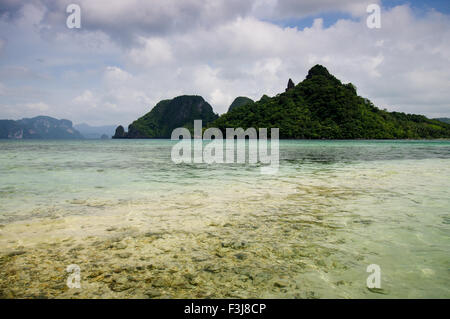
x=168, y=115
x=323, y=107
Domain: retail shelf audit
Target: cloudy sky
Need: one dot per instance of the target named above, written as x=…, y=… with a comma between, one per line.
x=128, y=55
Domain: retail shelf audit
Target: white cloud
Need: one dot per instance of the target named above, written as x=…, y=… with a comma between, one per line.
x=125, y=21
x=251, y=57
x=221, y=50
x=154, y=51
x=116, y=75
x=39, y=106
x=87, y=98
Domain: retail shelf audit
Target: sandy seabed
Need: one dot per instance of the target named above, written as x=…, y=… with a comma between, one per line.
x=180, y=255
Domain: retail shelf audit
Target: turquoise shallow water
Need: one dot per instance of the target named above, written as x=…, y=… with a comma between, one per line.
x=336, y=206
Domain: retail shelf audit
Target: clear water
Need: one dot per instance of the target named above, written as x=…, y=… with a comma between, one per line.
x=311, y=230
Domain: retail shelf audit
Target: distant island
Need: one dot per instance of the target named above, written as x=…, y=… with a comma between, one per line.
x=40, y=127
x=320, y=107
x=49, y=128
x=95, y=132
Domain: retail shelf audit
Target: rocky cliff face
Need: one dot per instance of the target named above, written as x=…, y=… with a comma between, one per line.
x=40, y=127
x=120, y=132
x=168, y=115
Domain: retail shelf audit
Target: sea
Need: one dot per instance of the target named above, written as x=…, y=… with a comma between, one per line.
x=339, y=219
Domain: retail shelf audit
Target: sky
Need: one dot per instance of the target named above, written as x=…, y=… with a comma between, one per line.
x=129, y=55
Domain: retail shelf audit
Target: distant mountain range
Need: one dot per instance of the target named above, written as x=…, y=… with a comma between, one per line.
x=320, y=107
x=40, y=127
x=95, y=132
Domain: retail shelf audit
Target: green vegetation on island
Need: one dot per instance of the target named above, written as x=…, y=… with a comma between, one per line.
x=321, y=107
x=239, y=101
x=168, y=115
